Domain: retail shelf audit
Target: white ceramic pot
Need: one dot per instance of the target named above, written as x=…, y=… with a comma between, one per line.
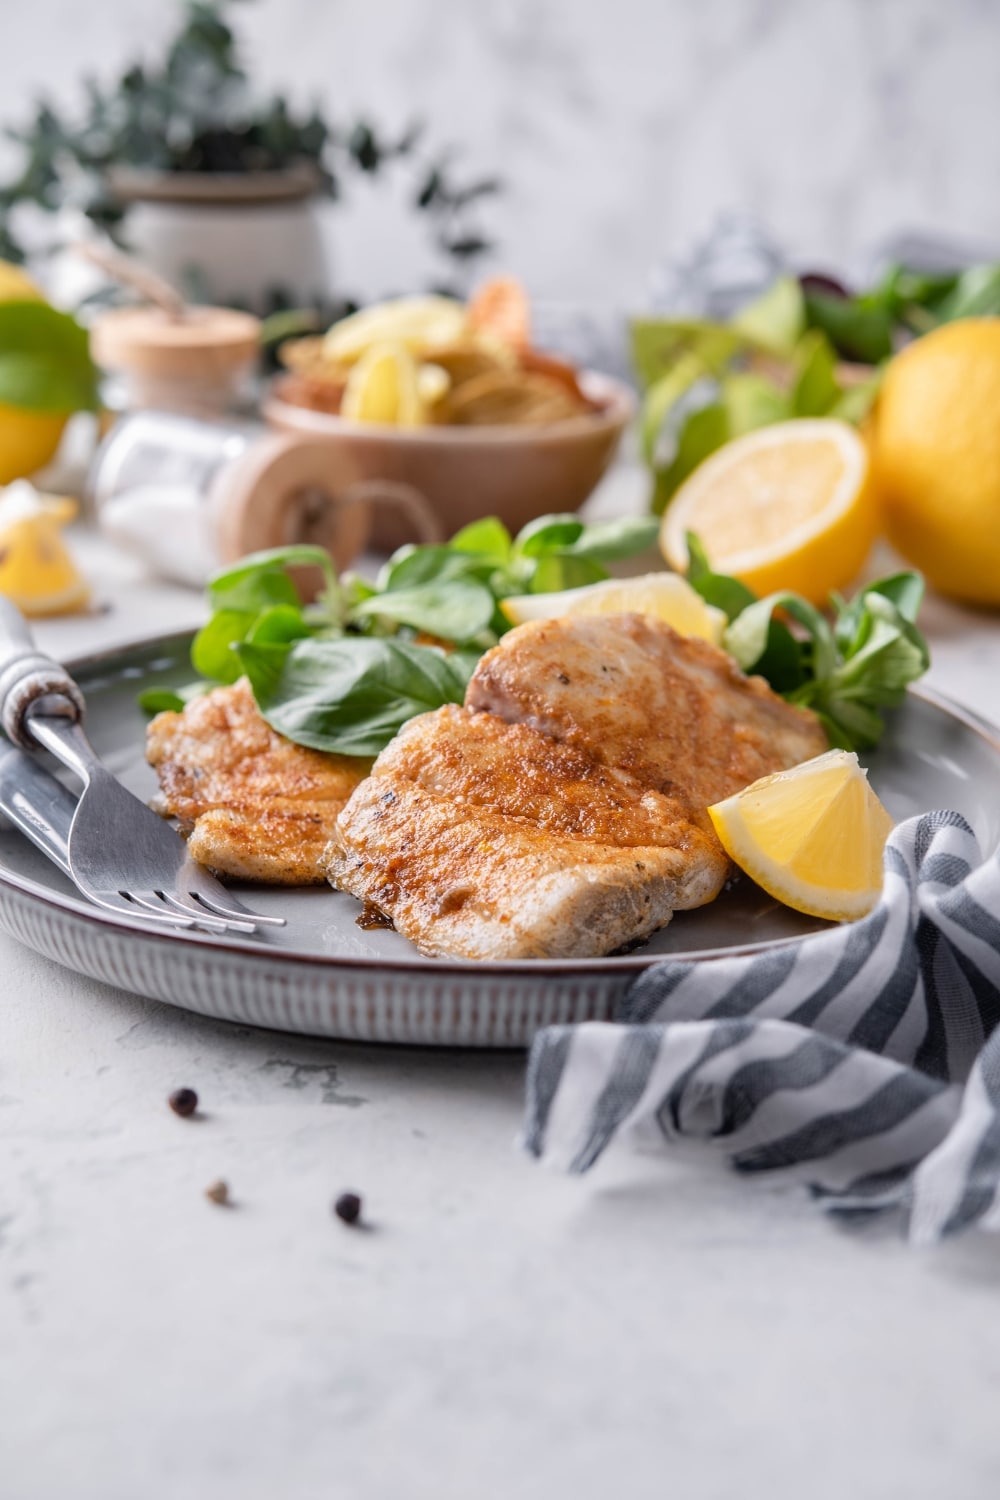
x=226, y=239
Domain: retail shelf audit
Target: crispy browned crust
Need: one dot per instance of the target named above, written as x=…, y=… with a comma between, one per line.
x=563, y=812
x=490, y=840
x=674, y=711
x=254, y=806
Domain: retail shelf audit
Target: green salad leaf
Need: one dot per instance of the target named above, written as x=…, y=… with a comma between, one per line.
x=846, y=670
x=353, y=695
x=345, y=671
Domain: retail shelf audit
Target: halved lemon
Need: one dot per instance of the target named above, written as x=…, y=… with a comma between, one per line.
x=420, y=323
x=384, y=387
x=812, y=837
x=664, y=596
x=790, y=506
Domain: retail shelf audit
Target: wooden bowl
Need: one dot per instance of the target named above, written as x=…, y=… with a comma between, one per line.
x=428, y=482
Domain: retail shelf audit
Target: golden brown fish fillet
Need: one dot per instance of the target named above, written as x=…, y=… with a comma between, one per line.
x=490, y=840
x=255, y=806
x=568, y=818
x=673, y=710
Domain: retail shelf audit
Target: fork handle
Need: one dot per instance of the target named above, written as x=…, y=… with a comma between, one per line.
x=27, y=675
x=37, y=804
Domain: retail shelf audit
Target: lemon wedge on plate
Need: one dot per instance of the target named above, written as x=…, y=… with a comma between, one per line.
x=812, y=837
x=384, y=387
x=420, y=323
x=664, y=596
x=37, y=572
x=784, y=507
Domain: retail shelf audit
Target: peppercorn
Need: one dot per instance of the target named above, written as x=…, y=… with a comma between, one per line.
x=218, y=1192
x=183, y=1102
x=348, y=1208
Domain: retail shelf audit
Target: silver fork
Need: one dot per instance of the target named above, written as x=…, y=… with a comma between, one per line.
x=119, y=853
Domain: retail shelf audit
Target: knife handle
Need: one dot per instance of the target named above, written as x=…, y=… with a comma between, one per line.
x=37, y=804
x=27, y=675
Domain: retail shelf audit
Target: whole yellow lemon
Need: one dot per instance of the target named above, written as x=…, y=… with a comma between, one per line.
x=28, y=439
x=937, y=457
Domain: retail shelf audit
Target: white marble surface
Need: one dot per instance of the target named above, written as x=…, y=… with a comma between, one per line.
x=659, y=1327
x=622, y=130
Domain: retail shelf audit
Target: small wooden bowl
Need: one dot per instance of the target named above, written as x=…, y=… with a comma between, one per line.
x=442, y=478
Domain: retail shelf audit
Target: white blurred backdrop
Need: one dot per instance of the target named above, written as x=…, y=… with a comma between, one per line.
x=623, y=128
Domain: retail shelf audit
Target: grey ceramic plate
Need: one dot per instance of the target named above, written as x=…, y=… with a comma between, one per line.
x=324, y=975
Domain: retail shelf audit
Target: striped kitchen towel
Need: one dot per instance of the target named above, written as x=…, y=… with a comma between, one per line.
x=864, y=1060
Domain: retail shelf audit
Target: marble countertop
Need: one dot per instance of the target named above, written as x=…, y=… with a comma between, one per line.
x=659, y=1326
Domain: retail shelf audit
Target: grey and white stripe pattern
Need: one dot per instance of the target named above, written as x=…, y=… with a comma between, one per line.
x=864, y=1060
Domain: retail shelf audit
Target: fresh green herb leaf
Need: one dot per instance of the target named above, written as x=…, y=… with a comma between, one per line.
x=557, y=571
x=488, y=538
x=660, y=344
x=610, y=541
x=816, y=391
x=746, y=638
x=776, y=320
x=753, y=401
x=160, y=700
x=976, y=294
x=211, y=650
x=261, y=579
x=725, y=593
x=705, y=430
x=452, y=609
x=857, y=330
x=279, y=625
x=547, y=534
x=352, y=696
x=661, y=398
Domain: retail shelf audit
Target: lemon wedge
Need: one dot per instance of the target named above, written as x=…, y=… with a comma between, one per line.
x=664, y=596
x=812, y=837
x=784, y=507
x=384, y=386
x=37, y=571
x=419, y=323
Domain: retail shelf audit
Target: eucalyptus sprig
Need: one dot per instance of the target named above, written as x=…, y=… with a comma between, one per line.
x=195, y=110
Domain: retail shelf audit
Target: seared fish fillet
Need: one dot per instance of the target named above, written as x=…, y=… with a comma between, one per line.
x=255, y=806
x=562, y=812
x=672, y=710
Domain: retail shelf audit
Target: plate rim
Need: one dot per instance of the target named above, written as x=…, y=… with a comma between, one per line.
x=555, y=968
